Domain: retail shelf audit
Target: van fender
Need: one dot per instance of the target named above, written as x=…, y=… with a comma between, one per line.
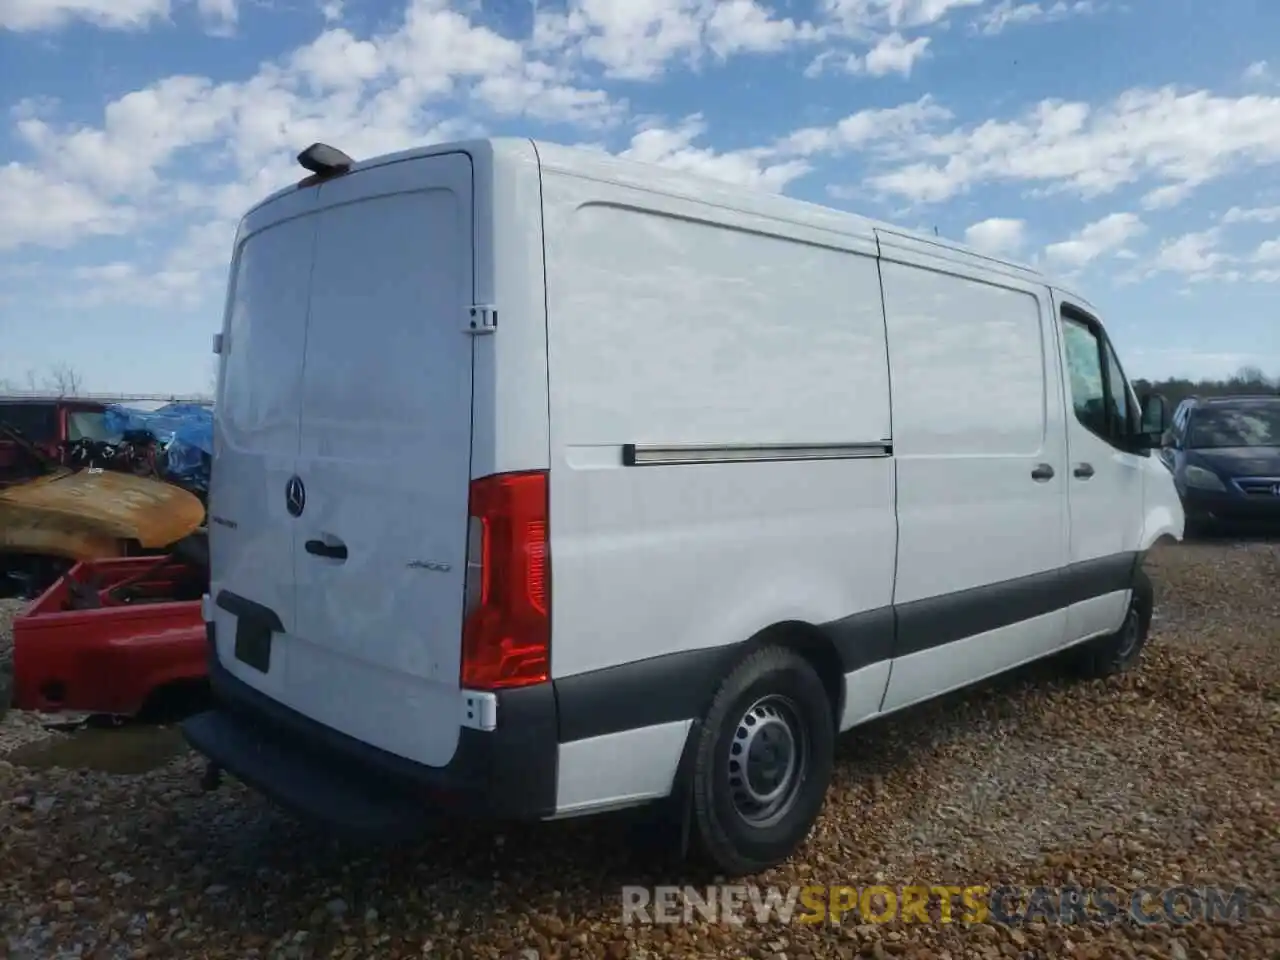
x=1163, y=515
x=800, y=621
x=1159, y=523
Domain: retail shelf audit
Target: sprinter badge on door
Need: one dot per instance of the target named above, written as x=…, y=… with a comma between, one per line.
x=295, y=496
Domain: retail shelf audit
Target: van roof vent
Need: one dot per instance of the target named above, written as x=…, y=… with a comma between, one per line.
x=324, y=161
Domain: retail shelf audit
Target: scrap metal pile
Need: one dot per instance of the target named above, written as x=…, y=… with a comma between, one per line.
x=81, y=481
x=173, y=443
x=181, y=442
x=101, y=535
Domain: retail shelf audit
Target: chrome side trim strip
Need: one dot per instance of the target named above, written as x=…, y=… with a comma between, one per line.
x=657, y=454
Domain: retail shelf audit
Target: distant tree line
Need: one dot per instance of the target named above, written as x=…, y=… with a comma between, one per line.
x=1246, y=380
x=61, y=379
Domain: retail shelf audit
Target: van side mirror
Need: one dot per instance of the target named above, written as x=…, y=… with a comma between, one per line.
x=1155, y=421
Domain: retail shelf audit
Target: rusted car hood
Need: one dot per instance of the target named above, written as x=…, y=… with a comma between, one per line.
x=84, y=514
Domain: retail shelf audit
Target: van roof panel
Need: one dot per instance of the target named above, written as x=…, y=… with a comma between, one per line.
x=598, y=164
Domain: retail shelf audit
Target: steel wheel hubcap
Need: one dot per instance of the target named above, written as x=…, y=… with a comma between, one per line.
x=766, y=761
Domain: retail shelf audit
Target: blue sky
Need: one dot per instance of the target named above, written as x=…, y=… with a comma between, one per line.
x=1130, y=147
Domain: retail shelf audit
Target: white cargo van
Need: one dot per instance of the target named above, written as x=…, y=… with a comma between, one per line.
x=547, y=483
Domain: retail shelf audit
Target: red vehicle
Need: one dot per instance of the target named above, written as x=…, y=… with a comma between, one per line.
x=50, y=424
x=121, y=636
x=69, y=431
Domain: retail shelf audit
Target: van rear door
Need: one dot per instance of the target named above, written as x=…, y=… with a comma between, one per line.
x=384, y=458
x=256, y=438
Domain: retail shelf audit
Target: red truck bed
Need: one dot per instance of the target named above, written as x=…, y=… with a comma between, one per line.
x=109, y=635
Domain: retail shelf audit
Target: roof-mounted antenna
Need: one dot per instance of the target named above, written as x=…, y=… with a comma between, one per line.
x=323, y=162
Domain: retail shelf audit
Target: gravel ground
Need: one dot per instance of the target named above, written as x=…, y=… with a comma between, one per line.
x=1169, y=775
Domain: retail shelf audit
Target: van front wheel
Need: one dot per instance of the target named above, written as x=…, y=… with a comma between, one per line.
x=1117, y=652
x=762, y=763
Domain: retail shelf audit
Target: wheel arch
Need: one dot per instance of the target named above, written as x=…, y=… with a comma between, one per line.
x=804, y=638
x=815, y=645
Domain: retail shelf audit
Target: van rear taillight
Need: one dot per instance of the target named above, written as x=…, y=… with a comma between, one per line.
x=506, y=634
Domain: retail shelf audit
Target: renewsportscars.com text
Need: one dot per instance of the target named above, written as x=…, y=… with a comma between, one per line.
x=938, y=903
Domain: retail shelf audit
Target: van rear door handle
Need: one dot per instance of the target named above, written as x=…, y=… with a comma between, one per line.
x=1042, y=473
x=334, y=551
x=1084, y=471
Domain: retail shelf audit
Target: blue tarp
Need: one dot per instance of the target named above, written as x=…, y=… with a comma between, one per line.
x=184, y=432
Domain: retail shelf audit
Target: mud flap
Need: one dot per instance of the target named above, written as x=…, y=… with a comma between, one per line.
x=682, y=789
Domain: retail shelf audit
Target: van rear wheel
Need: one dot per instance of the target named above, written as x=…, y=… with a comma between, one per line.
x=762, y=762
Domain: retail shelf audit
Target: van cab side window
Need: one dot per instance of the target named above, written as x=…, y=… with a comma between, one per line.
x=1100, y=394
x=1084, y=364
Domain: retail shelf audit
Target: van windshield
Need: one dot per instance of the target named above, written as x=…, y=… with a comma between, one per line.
x=1251, y=426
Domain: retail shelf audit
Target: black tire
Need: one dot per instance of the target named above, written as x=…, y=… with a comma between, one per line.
x=1118, y=652
x=787, y=704
x=193, y=550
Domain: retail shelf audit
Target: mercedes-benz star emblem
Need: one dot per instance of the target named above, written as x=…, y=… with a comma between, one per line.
x=295, y=496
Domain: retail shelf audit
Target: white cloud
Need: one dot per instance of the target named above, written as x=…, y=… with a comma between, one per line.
x=366, y=94
x=221, y=15
x=1268, y=252
x=878, y=26
x=1108, y=235
x=997, y=236
x=1252, y=215
x=203, y=151
x=1199, y=257
x=890, y=54
x=859, y=17
x=744, y=26
x=866, y=127
x=338, y=59
x=1179, y=140
x=918, y=182
x=140, y=133
x=639, y=39
x=894, y=54
x=22, y=15
x=192, y=269
x=186, y=149
x=675, y=148
x=188, y=153
x=113, y=272
x=630, y=40
x=183, y=277
x=39, y=208
x=1009, y=13
x=1259, y=72
x=1169, y=195
x=1193, y=255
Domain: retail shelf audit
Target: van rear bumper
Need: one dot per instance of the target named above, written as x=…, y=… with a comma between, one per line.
x=508, y=773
